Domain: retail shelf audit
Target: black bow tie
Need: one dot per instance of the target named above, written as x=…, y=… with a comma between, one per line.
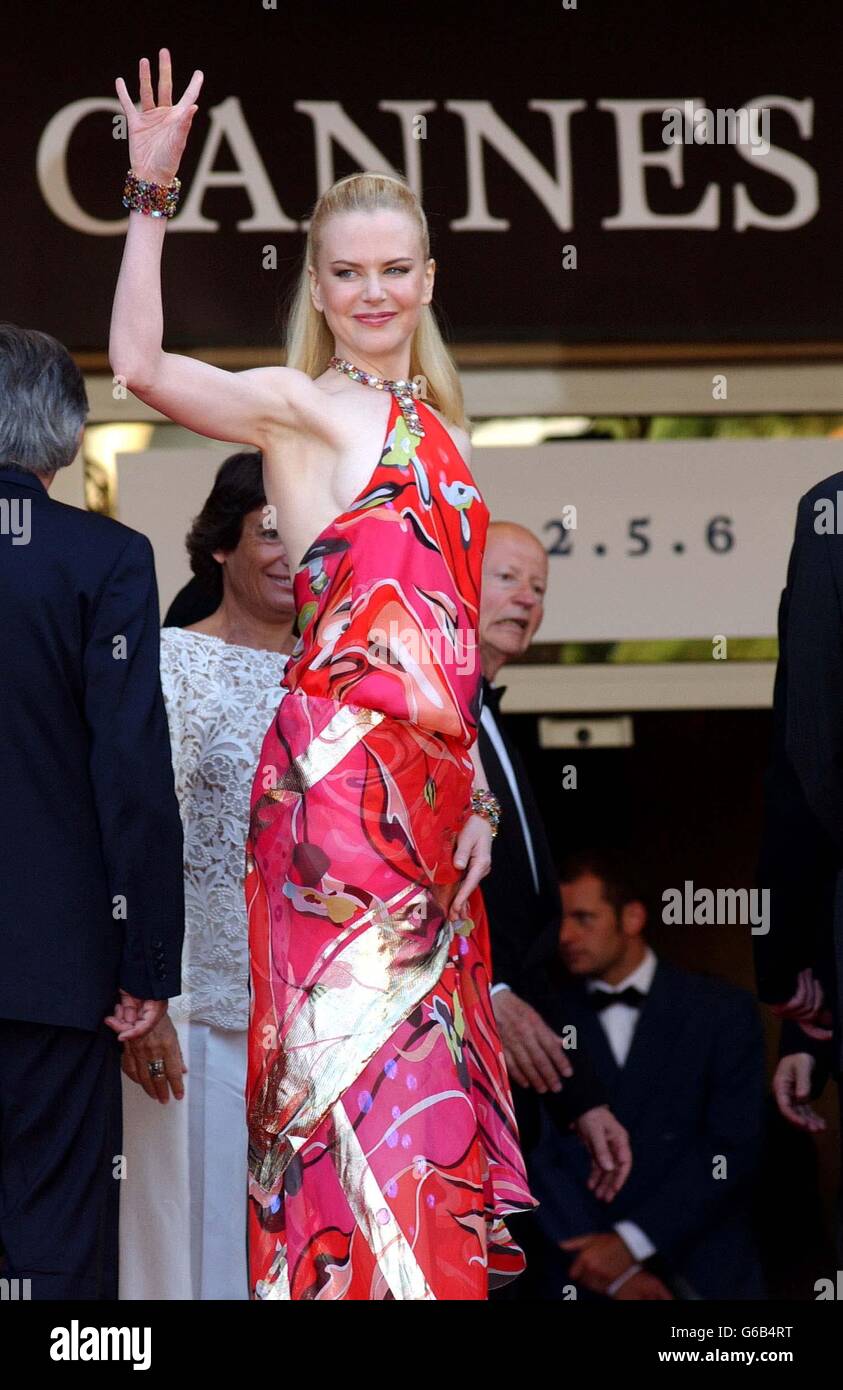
x=492, y=695
x=601, y=999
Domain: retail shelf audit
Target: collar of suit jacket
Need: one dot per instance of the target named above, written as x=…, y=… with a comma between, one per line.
x=10, y=474
x=492, y=695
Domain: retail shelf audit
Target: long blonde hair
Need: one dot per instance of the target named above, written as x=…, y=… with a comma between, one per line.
x=309, y=341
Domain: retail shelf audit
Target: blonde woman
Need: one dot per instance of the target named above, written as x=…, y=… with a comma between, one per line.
x=383, y=1149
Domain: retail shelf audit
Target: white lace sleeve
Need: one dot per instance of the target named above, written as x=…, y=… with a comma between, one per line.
x=175, y=684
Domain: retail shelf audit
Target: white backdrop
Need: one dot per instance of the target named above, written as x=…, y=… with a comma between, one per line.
x=676, y=491
x=637, y=501
x=159, y=492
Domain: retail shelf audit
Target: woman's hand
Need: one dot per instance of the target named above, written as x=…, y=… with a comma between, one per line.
x=158, y=134
x=162, y=1043
x=474, y=854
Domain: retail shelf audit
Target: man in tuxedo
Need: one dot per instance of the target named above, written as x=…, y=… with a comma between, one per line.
x=91, y=878
x=521, y=891
x=681, y=1057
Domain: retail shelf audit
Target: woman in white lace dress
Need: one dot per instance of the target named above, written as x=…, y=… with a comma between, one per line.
x=183, y=1197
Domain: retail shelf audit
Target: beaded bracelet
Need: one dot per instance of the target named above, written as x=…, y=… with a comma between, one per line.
x=486, y=804
x=154, y=199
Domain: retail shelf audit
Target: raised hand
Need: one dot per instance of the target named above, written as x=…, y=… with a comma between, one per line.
x=158, y=133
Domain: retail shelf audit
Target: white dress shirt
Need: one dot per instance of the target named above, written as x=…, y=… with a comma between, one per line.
x=619, y=1024
x=487, y=719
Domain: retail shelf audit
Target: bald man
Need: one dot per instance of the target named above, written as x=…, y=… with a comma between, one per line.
x=521, y=891
x=522, y=888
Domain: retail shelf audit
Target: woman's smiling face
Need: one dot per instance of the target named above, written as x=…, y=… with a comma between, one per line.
x=371, y=282
x=257, y=571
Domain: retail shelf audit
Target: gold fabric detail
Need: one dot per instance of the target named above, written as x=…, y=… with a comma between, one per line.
x=338, y=1029
x=343, y=730
x=385, y=1238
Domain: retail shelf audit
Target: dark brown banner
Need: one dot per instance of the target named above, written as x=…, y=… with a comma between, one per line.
x=593, y=173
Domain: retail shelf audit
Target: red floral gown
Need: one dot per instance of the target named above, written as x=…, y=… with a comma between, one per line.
x=383, y=1147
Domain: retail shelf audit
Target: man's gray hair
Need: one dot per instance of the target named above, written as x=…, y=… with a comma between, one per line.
x=43, y=402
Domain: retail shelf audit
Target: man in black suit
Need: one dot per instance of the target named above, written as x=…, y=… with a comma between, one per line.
x=521, y=891
x=799, y=962
x=682, y=1059
x=91, y=878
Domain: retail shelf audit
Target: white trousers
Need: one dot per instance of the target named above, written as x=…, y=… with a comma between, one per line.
x=183, y=1197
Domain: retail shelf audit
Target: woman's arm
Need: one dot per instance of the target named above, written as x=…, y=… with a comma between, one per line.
x=481, y=781
x=238, y=407
x=473, y=851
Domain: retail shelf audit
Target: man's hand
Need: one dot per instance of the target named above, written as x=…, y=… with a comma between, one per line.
x=821, y=1030
x=608, y=1144
x=534, y=1054
x=643, y=1286
x=792, y=1089
x=134, y=1018
x=601, y=1258
x=161, y=1043
x=806, y=1007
